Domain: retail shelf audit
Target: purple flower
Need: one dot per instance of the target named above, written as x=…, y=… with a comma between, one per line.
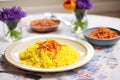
x=83, y=4
x=11, y=13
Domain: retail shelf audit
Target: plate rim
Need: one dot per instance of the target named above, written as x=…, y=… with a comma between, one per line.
x=88, y=46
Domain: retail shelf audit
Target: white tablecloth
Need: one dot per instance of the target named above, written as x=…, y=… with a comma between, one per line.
x=104, y=66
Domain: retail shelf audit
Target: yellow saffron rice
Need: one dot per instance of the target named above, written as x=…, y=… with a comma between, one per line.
x=40, y=55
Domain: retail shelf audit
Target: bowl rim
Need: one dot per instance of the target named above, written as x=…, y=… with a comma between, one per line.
x=85, y=34
x=38, y=27
x=28, y=23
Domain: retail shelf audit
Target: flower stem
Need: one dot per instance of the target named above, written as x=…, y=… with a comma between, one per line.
x=13, y=34
x=12, y=24
x=79, y=13
x=81, y=20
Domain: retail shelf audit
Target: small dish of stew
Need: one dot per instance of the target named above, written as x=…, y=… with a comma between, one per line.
x=102, y=36
x=44, y=25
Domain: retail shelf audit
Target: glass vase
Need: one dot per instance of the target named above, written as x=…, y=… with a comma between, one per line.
x=80, y=21
x=12, y=30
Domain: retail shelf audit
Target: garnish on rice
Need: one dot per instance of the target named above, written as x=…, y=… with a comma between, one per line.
x=50, y=45
x=49, y=53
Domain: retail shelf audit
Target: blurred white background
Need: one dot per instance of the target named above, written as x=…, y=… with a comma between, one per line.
x=101, y=7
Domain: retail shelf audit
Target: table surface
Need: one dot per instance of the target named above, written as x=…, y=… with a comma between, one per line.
x=104, y=66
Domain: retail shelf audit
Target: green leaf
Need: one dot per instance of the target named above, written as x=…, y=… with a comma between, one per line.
x=15, y=34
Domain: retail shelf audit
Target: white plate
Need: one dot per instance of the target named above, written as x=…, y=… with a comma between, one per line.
x=85, y=49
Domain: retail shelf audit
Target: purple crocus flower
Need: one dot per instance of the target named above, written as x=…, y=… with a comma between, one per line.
x=83, y=4
x=11, y=13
